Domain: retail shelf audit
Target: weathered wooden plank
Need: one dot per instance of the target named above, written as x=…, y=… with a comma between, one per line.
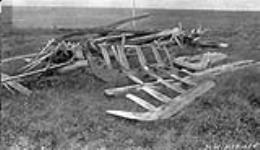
x=169, y=57
x=106, y=56
x=157, y=55
x=226, y=68
x=151, y=37
x=133, y=77
x=11, y=78
x=115, y=53
x=18, y=57
x=162, y=81
x=15, y=85
x=124, y=89
x=183, y=100
x=141, y=116
x=157, y=95
x=184, y=80
x=140, y=56
x=122, y=54
x=141, y=102
x=74, y=66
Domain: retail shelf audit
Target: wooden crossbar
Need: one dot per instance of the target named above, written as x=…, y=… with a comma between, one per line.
x=157, y=95
x=141, y=102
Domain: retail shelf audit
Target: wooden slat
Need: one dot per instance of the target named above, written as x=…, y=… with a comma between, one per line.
x=47, y=46
x=8, y=87
x=15, y=85
x=18, y=57
x=141, y=102
x=133, y=77
x=170, y=60
x=120, y=90
x=115, y=53
x=11, y=78
x=121, y=52
x=186, y=81
x=141, y=56
x=226, y=68
x=106, y=56
x=74, y=66
x=157, y=95
x=162, y=81
x=157, y=55
x=141, y=116
x=178, y=42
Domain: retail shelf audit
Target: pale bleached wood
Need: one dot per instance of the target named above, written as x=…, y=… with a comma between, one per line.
x=18, y=57
x=157, y=95
x=157, y=55
x=133, y=77
x=124, y=89
x=11, y=78
x=106, y=56
x=141, y=102
x=74, y=66
x=15, y=85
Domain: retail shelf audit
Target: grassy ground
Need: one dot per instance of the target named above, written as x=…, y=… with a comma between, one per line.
x=68, y=111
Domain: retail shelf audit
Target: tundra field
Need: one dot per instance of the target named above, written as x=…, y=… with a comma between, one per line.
x=67, y=111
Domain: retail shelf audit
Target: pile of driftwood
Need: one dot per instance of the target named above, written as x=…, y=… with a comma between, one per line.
x=148, y=58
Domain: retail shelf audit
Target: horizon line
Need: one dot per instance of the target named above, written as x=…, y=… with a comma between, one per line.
x=202, y=9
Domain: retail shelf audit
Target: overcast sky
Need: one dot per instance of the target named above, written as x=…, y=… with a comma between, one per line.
x=169, y=4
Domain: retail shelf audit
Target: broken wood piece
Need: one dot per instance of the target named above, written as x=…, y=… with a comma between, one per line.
x=15, y=85
x=226, y=68
x=23, y=75
x=7, y=86
x=18, y=57
x=38, y=61
x=111, y=37
x=141, y=102
x=74, y=66
x=49, y=43
x=178, y=41
x=151, y=37
x=199, y=62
